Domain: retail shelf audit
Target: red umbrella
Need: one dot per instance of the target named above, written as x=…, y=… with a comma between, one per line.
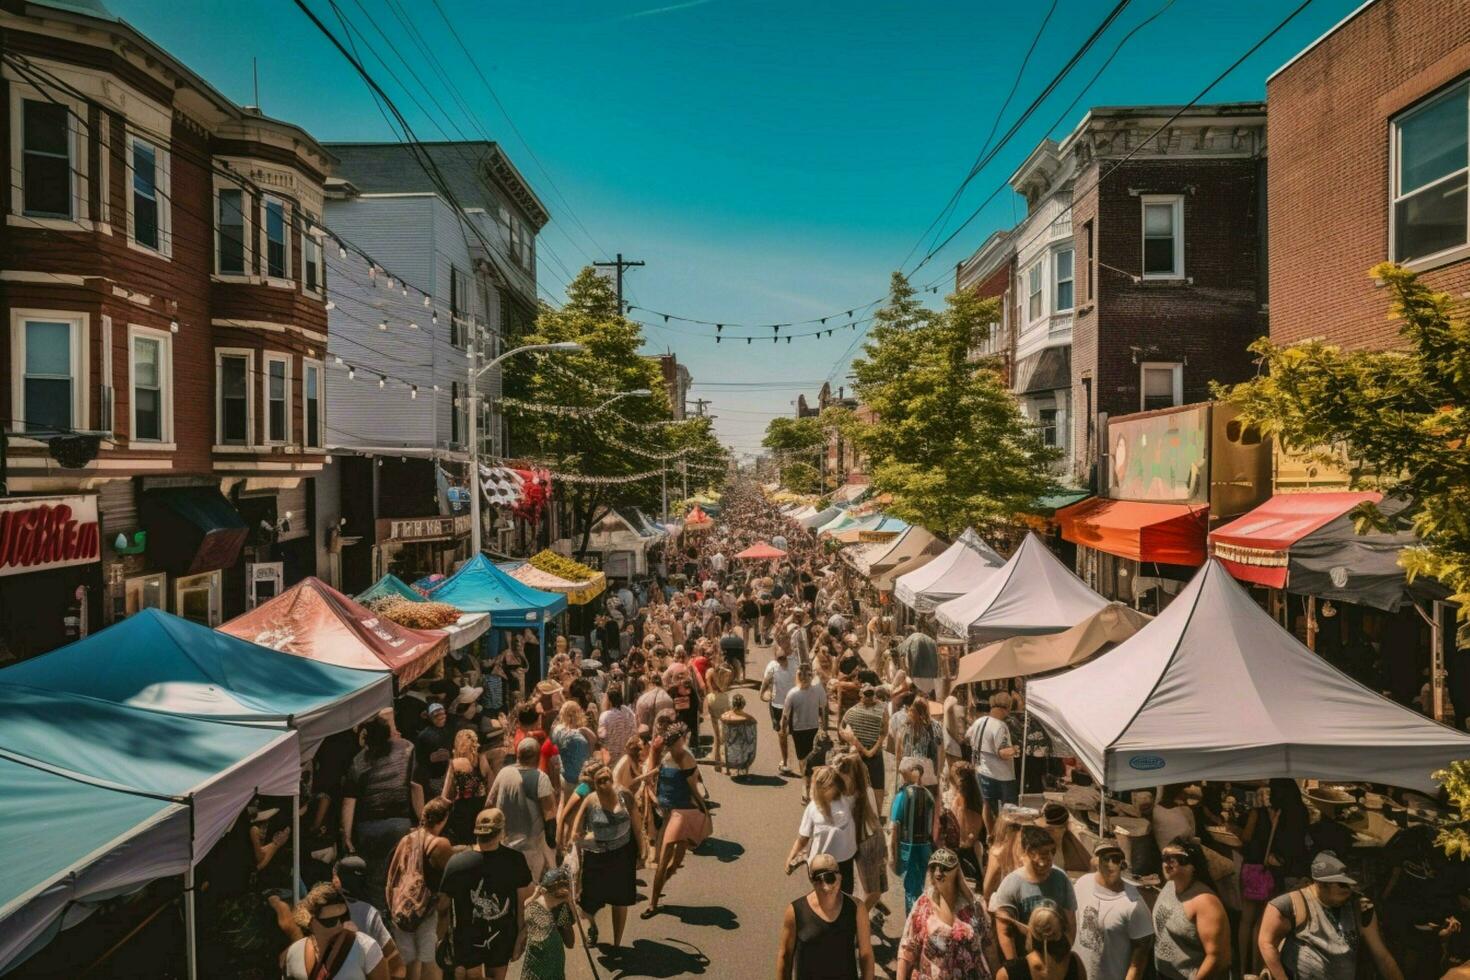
x=760, y=551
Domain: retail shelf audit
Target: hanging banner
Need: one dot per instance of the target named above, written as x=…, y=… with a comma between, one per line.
x=40, y=533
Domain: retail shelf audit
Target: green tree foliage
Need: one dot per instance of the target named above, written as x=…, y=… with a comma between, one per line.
x=800, y=478
x=1403, y=414
x=948, y=440
x=1454, y=832
x=596, y=444
x=789, y=435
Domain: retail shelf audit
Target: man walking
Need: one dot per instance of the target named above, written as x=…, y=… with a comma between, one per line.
x=779, y=679
x=804, y=714
x=1315, y=933
x=523, y=798
x=865, y=728
x=914, y=824
x=488, y=887
x=994, y=755
x=1114, y=928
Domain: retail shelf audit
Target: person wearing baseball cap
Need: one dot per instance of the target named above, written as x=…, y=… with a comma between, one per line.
x=1315, y=933
x=488, y=887
x=1114, y=928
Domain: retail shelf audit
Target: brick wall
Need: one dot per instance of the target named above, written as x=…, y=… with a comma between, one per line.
x=1328, y=119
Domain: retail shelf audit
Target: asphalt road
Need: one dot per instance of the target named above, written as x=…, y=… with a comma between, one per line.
x=721, y=914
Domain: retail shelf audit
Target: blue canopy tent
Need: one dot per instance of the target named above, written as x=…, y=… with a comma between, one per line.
x=211, y=770
x=479, y=586
x=162, y=662
x=391, y=585
x=471, y=625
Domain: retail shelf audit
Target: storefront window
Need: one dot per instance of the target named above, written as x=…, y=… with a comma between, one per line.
x=197, y=598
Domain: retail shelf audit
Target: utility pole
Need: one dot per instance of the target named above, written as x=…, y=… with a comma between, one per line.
x=620, y=264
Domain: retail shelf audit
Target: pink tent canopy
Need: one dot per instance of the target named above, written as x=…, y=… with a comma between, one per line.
x=697, y=518
x=313, y=620
x=760, y=551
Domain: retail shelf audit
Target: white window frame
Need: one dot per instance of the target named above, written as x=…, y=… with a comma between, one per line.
x=1176, y=367
x=220, y=353
x=320, y=367
x=1056, y=280
x=80, y=332
x=211, y=581
x=1176, y=201
x=1037, y=270
x=283, y=282
x=247, y=212
x=312, y=232
x=163, y=193
x=1395, y=162
x=165, y=384
x=79, y=220
x=108, y=393
x=267, y=359
x=135, y=591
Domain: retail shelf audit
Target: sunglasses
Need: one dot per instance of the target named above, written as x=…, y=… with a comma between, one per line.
x=1113, y=857
x=331, y=921
x=1173, y=859
x=939, y=869
x=826, y=878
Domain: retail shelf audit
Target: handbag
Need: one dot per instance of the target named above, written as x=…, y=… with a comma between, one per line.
x=1258, y=882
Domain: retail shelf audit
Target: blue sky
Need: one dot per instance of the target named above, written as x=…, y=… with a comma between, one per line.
x=771, y=160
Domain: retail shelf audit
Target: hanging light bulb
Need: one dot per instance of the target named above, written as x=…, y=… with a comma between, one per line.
x=413, y=391
x=405, y=287
x=426, y=301
x=849, y=314
x=747, y=341
x=382, y=324
x=788, y=338
x=341, y=251
x=173, y=326
x=382, y=381
x=717, y=339
x=351, y=373
x=338, y=360
x=776, y=328
x=412, y=325
x=436, y=387
x=666, y=318
x=329, y=459
x=373, y=274
x=331, y=305
x=434, y=319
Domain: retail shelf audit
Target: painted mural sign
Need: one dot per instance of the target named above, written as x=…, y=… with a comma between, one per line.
x=1161, y=457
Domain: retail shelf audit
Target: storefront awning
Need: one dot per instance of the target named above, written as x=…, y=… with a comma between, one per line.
x=192, y=529
x=1172, y=534
x=1255, y=548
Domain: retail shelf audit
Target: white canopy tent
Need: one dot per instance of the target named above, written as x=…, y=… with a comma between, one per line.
x=813, y=521
x=959, y=568
x=1214, y=689
x=1032, y=594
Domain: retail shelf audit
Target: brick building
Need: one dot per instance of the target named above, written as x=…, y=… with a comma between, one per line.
x=1368, y=155
x=162, y=274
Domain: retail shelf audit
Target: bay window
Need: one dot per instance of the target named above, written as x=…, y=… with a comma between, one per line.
x=311, y=397
x=230, y=232
x=151, y=383
x=1064, y=273
x=277, y=242
x=1033, y=293
x=47, y=152
x=277, y=399
x=148, y=206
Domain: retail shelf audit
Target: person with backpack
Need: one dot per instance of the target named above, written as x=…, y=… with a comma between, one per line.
x=412, y=892
x=1315, y=933
x=914, y=824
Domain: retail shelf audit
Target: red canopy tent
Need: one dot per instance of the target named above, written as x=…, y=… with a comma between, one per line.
x=760, y=551
x=1255, y=548
x=698, y=520
x=313, y=620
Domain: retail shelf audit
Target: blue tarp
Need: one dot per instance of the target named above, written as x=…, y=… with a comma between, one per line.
x=162, y=662
x=114, y=755
x=479, y=586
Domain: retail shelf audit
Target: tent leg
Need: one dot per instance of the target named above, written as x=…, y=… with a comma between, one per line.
x=296, y=846
x=541, y=639
x=190, y=925
x=1103, y=827
x=1025, y=729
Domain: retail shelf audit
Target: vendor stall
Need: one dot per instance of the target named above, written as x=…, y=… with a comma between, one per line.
x=551, y=572
x=812, y=522
x=958, y=570
x=760, y=551
x=465, y=630
x=914, y=548
x=313, y=620
x=1215, y=689
x=873, y=528
x=478, y=586
x=1026, y=656
x=698, y=520
x=1031, y=594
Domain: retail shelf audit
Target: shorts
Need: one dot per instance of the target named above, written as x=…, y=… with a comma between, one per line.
x=472, y=947
x=997, y=791
x=775, y=718
x=874, y=764
x=417, y=945
x=724, y=617
x=803, y=737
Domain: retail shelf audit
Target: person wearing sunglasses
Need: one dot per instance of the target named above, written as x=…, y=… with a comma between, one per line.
x=822, y=935
x=606, y=832
x=947, y=935
x=1192, y=930
x=1114, y=930
x=331, y=948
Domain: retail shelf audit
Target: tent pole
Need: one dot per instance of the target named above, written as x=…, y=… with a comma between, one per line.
x=1102, y=814
x=541, y=639
x=296, y=845
x=1025, y=729
x=189, y=924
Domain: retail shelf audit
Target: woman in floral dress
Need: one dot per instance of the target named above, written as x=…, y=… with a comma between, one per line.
x=947, y=936
x=549, y=928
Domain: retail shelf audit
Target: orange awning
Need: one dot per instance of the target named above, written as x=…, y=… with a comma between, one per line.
x=1173, y=534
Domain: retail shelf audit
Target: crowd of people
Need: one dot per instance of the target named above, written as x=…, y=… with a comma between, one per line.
x=496, y=811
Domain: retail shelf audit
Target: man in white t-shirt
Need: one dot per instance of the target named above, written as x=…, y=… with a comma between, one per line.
x=1114, y=928
x=779, y=679
x=994, y=755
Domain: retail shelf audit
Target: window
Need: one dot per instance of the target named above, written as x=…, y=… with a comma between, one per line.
x=1048, y=420
x=197, y=598
x=48, y=389
x=1162, y=386
x=1163, y=237
x=457, y=337
x=233, y=371
x=1431, y=164
x=151, y=382
x=1033, y=293
x=313, y=269
x=277, y=399
x=46, y=159
x=144, y=592
x=1064, y=271
x=277, y=248
x=148, y=211
x=230, y=231
x=108, y=420
x=311, y=398
x=1087, y=234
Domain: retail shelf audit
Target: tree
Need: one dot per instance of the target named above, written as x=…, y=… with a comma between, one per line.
x=789, y=435
x=943, y=434
x=800, y=478
x=630, y=436
x=1404, y=416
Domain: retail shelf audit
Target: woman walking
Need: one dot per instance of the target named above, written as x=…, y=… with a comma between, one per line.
x=962, y=823
x=607, y=834
x=715, y=705
x=1191, y=928
x=1049, y=953
x=826, y=828
x=947, y=935
x=573, y=742
x=871, y=861
x=681, y=800
x=465, y=783
x=739, y=732
x=822, y=936
x=549, y=928
x=1275, y=836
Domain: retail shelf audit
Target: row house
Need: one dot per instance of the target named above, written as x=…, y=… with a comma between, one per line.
x=162, y=274
x=465, y=281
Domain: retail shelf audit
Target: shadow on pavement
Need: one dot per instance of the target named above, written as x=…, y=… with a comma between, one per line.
x=758, y=780
x=704, y=915
x=646, y=958
x=720, y=849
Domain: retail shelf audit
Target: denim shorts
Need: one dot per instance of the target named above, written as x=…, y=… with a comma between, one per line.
x=418, y=945
x=997, y=791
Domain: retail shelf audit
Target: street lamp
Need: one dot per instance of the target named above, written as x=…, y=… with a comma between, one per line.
x=566, y=346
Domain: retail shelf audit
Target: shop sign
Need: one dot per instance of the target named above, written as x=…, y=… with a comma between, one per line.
x=422, y=528
x=38, y=533
x=1160, y=456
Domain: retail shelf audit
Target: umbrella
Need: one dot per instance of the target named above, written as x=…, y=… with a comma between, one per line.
x=760, y=551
